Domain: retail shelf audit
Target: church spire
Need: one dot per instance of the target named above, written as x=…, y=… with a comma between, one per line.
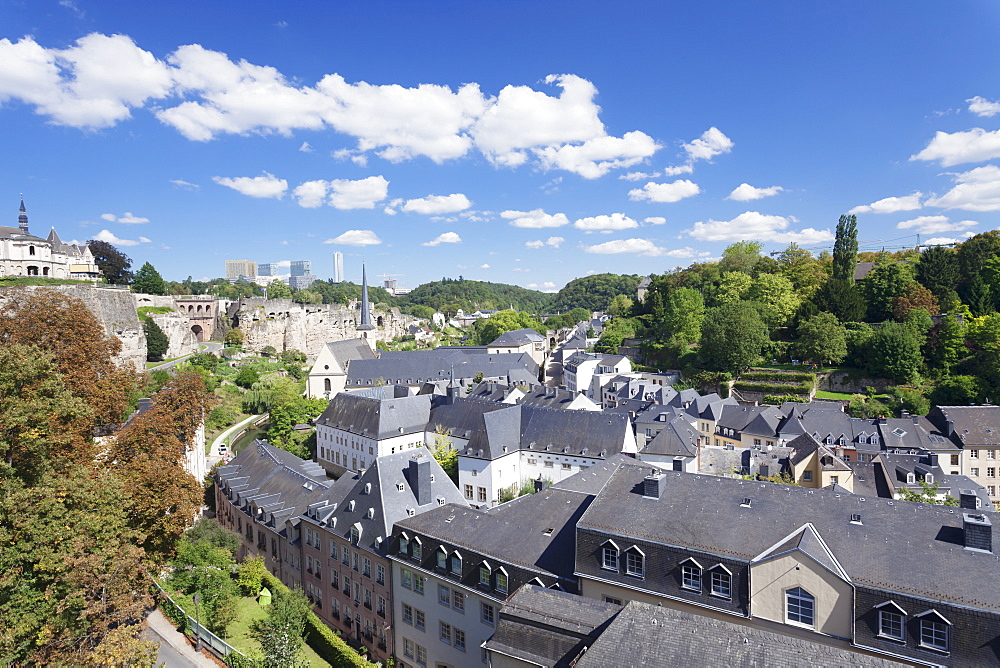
x=22, y=220
x=366, y=316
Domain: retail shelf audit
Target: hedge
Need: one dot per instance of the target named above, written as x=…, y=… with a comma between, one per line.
x=778, y=399
x=779, y=376
x=773, y=388
x=321, y=637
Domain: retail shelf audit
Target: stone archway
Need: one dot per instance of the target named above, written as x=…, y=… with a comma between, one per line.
x=198, y=332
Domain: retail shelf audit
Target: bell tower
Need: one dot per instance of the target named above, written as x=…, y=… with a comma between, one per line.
x=22, y=219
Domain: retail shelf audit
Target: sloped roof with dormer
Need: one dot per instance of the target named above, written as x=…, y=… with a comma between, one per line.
x=517, y=337
x=375, y=418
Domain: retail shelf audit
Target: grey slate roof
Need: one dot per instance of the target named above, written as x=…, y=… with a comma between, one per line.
x=548, y=627
x=463, y=418
x=973, y=425
x=915, y=433
x=417, y=367
x=899, y=546
x=376, y=418
x=518, y=337
x=348, y=350
x=538, y=395
x=677, y=439
x=644, y=635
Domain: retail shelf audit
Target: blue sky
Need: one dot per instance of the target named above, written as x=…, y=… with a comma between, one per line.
x=518, y=142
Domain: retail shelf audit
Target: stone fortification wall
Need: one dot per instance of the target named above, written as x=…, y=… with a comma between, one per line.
x=177, y=327
x=285, y=325
x=142, y=299
x=115, y=309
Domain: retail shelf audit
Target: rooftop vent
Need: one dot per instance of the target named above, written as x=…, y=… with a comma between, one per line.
x=654, y=484
x=978, y=532
x=855, y=518
x=746, y=502
x=969, y=500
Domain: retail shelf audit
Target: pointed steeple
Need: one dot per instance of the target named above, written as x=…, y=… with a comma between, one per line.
x=54, y=239
x=22, y=220
x=366, y=316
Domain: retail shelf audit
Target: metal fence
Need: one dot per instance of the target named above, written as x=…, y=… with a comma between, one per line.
x=214, y=643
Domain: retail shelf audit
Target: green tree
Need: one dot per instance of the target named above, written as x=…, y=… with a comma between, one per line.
x=845, y=248
x=887, y=281
x=823, y=339
x=592, y=293
x=277, y=289
x=973, y=254
x=957, y=391
x=741, y=256
x=684, y=314
x=148, y=281
x=802, y=269
x=234, y=337
x=621, y=306
x=157, y=342
x=444, y=453
x=928, y=494
x=115, y=265
x=778, y=295
x=280, y=632
x=308, y=297
x=894, y=352
x=733, y=287
x=842, y=298
x=250, y=574
x=615, y=331
x=938, y=270
x=733, y=337
x=488, y=330
x=945, y=344
x=246, y=376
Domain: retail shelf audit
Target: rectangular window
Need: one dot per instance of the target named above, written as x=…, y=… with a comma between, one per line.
x=691, y=577
x=418, y=584
x=634, y=564
x=807, y=476
x=890, y=624
x=418, y=551
x=974, y=472
x=345, y=555
x=334, y=579
x=407, y=579
x=501, y=582
x=991, y=472
x=722, y=584
x=460, y=640
x=954, y=460
x=468, y=492
x=368, y=598
x=612, y=599
x=380, y=609
x=991, y=454
x=419, y=619
x=991, y=490
x=549, y=464
x=408, y=647
x=421, y=655
x=974, y=454
x=484, y=576
x=800, y=606
x=610, y=558
x=408, y=614
x=487, y=614
x=567, y=467
x=380, y=573
x=482, y=494
x=756, y=441
x=532, y=462
x=445, y=633
x=367, y=570
x=444, y=596
x=934, y=634
x=458, y=601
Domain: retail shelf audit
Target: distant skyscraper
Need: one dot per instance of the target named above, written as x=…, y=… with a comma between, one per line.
x=338, y=267
x=301, y=267
x=267, y=269
x=237, y=268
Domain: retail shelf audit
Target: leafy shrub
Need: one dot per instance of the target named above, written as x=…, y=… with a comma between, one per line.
x=778, y=399
x=773, y=388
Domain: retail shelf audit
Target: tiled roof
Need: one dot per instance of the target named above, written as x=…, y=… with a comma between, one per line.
x=376, y=418
x=518, y=337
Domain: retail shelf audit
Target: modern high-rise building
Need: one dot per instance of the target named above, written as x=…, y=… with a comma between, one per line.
x=301, y=267
x=338, y=267
x=237, y=268
x=267, y=269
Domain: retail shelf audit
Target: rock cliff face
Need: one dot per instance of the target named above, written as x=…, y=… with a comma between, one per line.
x=286, y=325
x=115, y=309
x=178, y=330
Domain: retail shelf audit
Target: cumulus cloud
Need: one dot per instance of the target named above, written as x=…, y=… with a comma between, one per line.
x=975, y=145
x=977, y=190
x=361, y=194
x=438, y=204
x=891, y=204
x=935, y=225
x=710, y=144
x=756, y=226
x=596, y=157
x=128, y=218
x=616, y=221
x=93, y=84
x=535, y=219
x=552, y=242
x=947, y=241
x=665, y=192
x=356, y=238
x=635, y=246
x=311, y=194
x=306, y=148
x=265, y=185
x=746, y=192
x=680, y=169
x=484, y=266
x=108, y=236
x=980, y=106
x=181, y=183
x=654, y=220
x=446, y=238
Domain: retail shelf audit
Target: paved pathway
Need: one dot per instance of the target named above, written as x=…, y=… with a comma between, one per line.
x=175, y=650
x=207, y=347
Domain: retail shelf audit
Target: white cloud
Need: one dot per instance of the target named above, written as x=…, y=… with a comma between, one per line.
x=983, y=107
x=306, y=148
x=128, y=218
x=975, y=145
x=446, y=238
x=655, y=220
x=616, y=221
x=110, y=217
x=746, y=192
x=665, y=192
x=756, y=226
x=687, y=252
x=638, y=246
x=356, y=238
x=891, y=204
x=361, y=194
x=93, y=84
x=552, y=242
x=437, y=204
x=639, y=176
x=265, y=185
x=106, y=235
x=680, y=169
x=711, y=143
x=945, y=241
x=311, y=194
x=484, y=266
x=535, y=218
x=935, y=225
x=596, y=157
x=977, y=190
x=180, y=183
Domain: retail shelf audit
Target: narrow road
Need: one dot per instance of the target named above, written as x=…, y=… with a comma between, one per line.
x=175, y=650
x=207, y=347
x=213, y=452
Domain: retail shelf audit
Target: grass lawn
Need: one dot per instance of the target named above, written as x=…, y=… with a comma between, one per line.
x=150, y=365
x=807, y=368
x=239, y=631
x=823, y=394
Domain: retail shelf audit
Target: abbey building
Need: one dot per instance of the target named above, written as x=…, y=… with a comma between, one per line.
x=23, y=254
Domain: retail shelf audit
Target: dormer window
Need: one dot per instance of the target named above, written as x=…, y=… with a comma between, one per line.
x=691, y=575
x=417, y=549
x=635, y=562
x=501, y=581
x=456, y=564
x=484, y=575
x=911, y=478
x=404, y=546
x=934, y=630
x=442, y=558
x=891, y=620
x=368, y=488
x=609, y=556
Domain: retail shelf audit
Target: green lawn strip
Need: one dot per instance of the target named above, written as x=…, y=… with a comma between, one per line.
x=823, y=394
x=150, y=365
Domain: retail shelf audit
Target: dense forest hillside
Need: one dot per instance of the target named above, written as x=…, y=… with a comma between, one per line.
x=593, y=293
x=451, y=294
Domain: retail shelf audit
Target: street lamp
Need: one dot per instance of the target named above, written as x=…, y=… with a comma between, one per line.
x=197, y=642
